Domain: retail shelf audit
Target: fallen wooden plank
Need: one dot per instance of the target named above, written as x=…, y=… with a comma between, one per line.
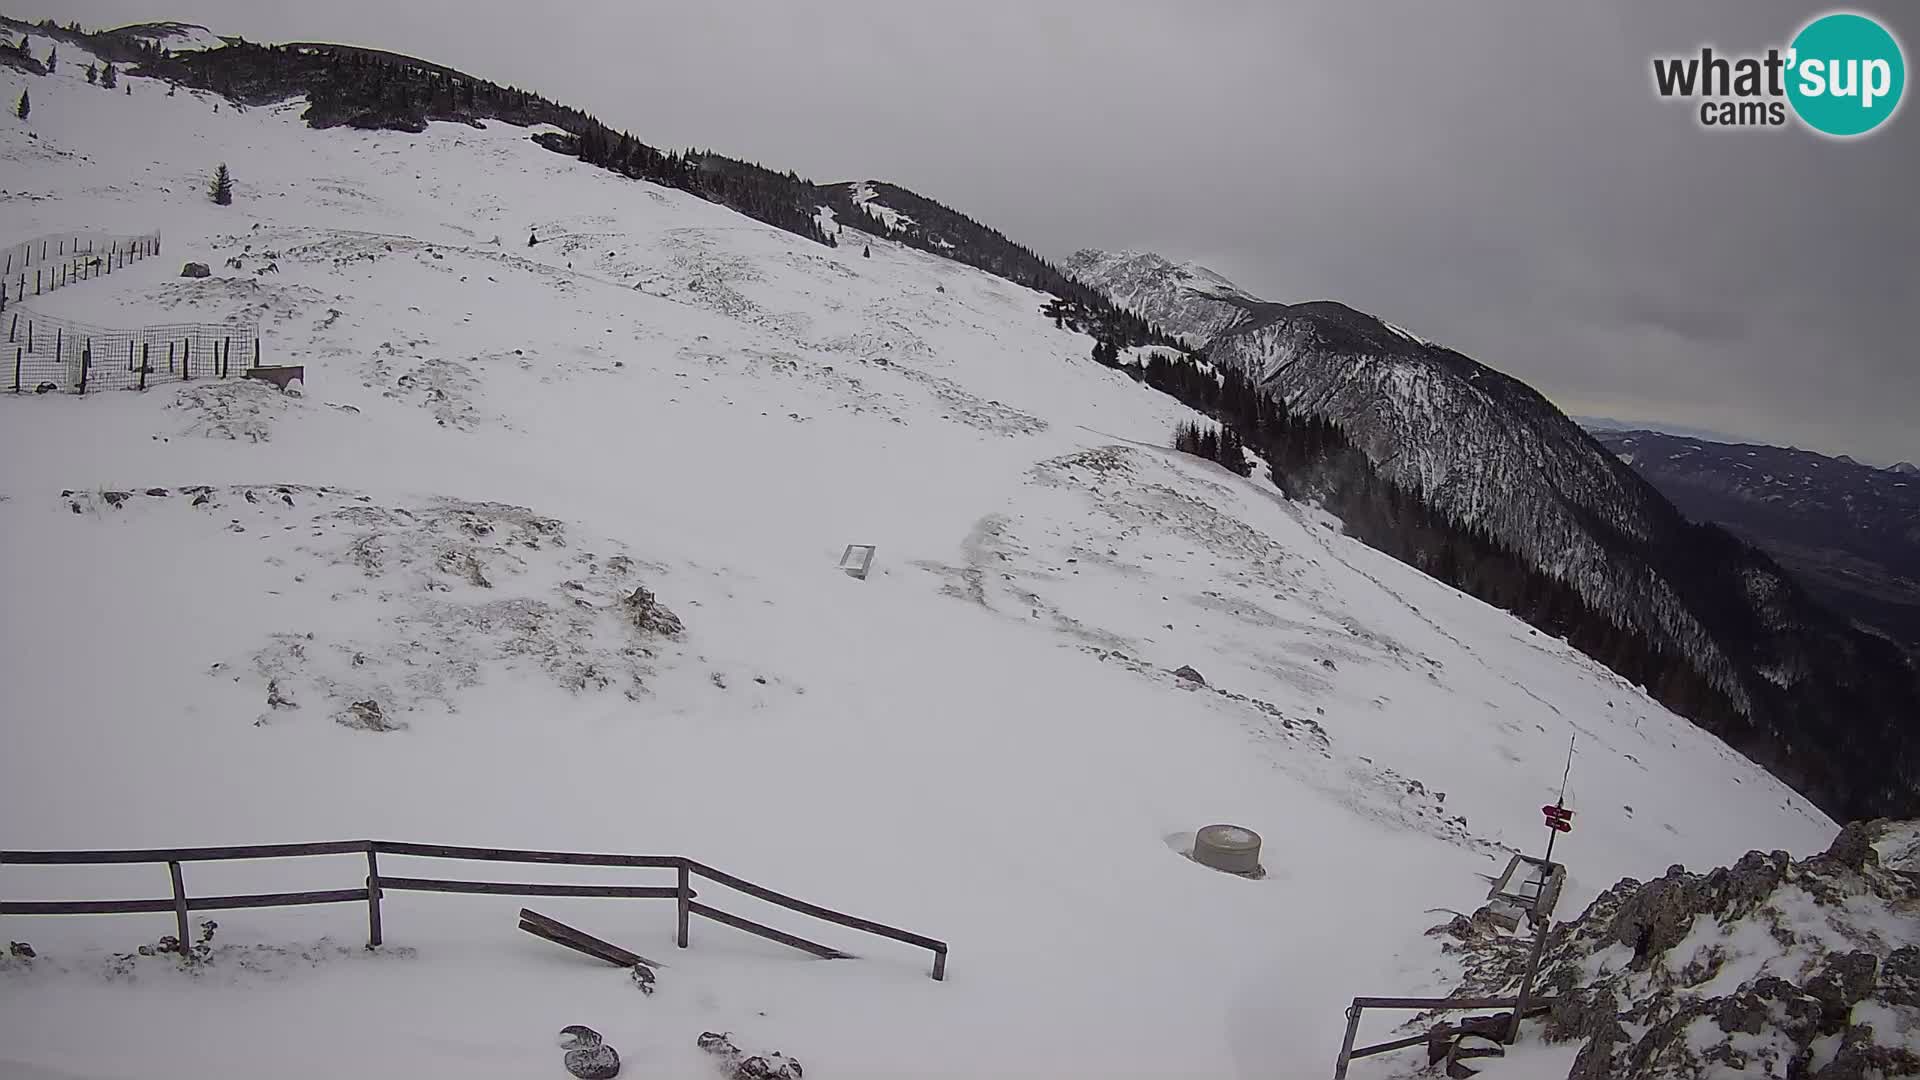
x=561, y=934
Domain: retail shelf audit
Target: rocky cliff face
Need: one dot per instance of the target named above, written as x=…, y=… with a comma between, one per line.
x=1771, y=967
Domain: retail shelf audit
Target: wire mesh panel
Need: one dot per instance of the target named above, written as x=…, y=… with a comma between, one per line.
x=61, y=354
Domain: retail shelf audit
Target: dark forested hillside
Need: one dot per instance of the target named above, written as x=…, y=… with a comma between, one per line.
x=1849, y=531
x=1822, y=705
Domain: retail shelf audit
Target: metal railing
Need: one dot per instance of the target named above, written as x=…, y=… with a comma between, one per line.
x=376, y=883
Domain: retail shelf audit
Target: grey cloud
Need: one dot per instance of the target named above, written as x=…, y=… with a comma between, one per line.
x=1695, y=324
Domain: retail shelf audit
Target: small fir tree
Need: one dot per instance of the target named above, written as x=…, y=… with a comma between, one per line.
x=26, y=106
x=93, y=74
x=53, y=59
x=108, y=77
x=221, y=190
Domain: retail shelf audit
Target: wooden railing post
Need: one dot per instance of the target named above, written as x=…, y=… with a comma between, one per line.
x=686, y=899
x=1346, y=1046
x=373, y=897
x=180, y=907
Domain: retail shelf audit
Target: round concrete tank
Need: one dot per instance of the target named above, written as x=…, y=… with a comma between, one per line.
x=1228, y=847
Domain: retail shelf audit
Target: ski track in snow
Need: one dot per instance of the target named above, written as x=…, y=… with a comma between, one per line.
x=984, y=741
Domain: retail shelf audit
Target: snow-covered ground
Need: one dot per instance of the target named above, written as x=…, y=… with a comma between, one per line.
x=983, y=741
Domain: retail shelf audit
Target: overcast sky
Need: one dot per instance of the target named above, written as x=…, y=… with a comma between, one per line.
x=1498, y=177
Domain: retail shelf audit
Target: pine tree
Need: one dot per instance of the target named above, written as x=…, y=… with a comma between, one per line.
x=866, y=252
x=26, y=106
x=108, y=78
x=221, y=190
x=93, y=74
x=53, y=59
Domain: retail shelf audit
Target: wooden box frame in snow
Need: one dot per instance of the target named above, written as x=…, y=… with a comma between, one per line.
x=1529, y=887
x=857, y=560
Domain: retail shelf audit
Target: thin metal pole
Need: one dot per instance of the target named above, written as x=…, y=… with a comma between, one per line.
x=1526, y=982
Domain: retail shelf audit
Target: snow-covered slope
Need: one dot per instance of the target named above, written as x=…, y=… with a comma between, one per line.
x=1492, y=454
x=1185, y=299
x=984, y=741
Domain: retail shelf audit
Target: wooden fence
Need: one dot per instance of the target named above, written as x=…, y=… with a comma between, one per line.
x=45, y=263
x=1508, y=1027
x=377, y=883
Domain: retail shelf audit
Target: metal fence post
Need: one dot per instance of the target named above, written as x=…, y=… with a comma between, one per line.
x=144, y=365
x=16, y=368
x=179, y=905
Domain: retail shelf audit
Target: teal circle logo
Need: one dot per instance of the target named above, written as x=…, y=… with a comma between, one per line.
x=1846, y=74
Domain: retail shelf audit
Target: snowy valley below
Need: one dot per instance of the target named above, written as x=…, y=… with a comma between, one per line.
x=497, y=446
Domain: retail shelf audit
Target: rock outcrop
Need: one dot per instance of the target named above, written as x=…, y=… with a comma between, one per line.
x=1770, y=967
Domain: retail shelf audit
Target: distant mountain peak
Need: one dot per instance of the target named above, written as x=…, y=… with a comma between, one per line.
x=1905, y=468
x=1185, y=299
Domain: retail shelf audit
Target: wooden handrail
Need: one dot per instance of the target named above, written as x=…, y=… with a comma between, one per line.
x=198, y=854
x=377, y=883
x=816, y=910
x=565, y=858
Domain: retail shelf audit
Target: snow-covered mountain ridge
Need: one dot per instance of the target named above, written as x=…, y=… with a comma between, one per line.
x=1850, y=531
x=1494, y=455
x=1185, y=299
x=986, y=740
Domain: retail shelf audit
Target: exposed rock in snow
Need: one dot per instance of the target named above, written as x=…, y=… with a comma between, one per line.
x=1769, y=967
x=597, y=1062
